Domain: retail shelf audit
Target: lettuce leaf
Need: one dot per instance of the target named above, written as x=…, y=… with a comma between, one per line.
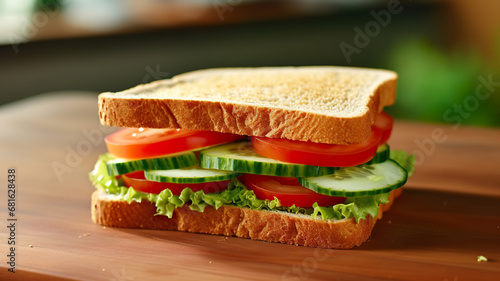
x=238, y=195
x=357, y=207
x=404, y=160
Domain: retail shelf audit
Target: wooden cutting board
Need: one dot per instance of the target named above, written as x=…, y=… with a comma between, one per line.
x=449, y=213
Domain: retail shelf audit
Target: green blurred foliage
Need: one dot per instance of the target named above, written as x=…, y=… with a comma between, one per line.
x=48, y=5
x=431, y=81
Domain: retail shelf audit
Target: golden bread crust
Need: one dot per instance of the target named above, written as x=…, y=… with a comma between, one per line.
x=254, y=109
x=240, y=222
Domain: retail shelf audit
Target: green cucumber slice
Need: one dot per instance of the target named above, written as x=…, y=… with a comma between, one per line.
x=189, y=175
x=382, y=155
x=359, y=180
x=240, y=157
x=119, y=166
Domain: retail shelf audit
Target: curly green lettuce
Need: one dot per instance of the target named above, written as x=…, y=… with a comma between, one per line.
x=404, y=160
x=237, y=195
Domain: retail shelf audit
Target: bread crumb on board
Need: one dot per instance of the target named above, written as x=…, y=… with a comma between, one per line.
x=482, y=258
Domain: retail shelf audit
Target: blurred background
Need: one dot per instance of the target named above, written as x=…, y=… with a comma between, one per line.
x=447, y=52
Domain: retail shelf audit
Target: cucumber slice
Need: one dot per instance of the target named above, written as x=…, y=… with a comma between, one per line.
x=359, y=180
x=189, y=175
x=382, y=155
x=241, y=158
x=119, y=166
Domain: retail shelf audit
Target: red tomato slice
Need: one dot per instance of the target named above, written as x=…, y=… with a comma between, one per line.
x=140, y=183
x=327, y=155
x=288, y=191
x=385, y=122
x=136, y=143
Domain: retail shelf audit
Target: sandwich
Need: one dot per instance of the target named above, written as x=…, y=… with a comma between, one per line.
x=295, y=155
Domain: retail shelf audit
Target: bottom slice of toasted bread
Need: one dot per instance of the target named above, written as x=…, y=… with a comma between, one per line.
x=271, y=226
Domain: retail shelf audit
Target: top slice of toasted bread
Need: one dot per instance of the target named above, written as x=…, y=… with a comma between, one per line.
x=323, y=104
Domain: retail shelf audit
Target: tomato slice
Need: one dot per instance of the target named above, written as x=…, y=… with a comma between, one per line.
x=288, y=191
x=137, y=143
x=384, y=122
x=327, y=155
x=138, y=181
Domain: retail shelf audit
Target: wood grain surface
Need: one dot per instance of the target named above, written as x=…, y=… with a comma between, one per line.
x=448, y=215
